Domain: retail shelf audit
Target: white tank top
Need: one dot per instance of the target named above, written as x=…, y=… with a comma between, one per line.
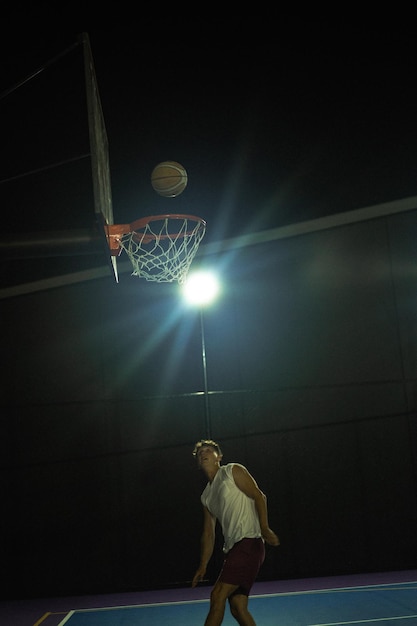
x=235, y=511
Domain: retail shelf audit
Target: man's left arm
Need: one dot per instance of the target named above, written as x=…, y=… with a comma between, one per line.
x=246, y=483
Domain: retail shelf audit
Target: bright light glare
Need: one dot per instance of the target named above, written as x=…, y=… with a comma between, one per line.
x=201, y=288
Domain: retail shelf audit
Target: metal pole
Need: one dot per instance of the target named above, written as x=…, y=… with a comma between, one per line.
x=206, y=397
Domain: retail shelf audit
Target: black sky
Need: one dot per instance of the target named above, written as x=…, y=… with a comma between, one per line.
x=272, y=130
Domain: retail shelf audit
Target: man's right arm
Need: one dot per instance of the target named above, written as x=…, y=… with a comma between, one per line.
x=207, y=545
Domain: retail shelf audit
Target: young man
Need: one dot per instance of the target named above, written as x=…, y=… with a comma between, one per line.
x=234, y=499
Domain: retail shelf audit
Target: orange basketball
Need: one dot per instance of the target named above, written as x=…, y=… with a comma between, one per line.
x=169, y=179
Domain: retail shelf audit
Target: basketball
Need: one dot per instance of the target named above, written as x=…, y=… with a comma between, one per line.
x=169, y=179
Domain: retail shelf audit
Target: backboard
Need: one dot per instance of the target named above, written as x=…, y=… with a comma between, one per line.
x=103, y=205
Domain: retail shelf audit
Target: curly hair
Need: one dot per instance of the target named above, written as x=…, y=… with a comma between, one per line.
x=207, y=442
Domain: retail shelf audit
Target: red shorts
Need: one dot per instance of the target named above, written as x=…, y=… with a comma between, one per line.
x=242, y=563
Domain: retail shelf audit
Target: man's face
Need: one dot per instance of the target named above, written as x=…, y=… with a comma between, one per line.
x=207, y=456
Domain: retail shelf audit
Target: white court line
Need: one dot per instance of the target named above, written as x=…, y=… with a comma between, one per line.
x=138, y=606
x=384, y=587
x=377, y=587
x=65, y=620
x=366, y=621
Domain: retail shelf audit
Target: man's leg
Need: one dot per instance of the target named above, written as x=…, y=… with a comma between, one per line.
x=239, y=609
x=218, y=598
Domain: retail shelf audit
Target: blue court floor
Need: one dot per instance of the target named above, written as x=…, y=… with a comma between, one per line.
x=383, y=599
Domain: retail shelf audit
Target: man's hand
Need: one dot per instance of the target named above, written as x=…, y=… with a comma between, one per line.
x=198, y=576
x=270, y=537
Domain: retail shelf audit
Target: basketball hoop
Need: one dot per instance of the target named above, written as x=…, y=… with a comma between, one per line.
x=161, y=248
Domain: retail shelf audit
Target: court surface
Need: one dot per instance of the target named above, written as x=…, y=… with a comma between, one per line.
x=381, y=599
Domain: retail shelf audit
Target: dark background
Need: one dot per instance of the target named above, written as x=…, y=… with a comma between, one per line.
x=310, y=348
x=311, y=355
x=273, y=129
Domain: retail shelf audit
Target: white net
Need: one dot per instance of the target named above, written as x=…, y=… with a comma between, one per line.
x=162, y=248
